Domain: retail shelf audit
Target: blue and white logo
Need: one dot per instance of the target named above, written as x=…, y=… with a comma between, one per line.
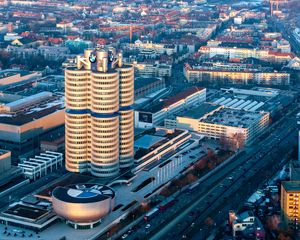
x=92, y=58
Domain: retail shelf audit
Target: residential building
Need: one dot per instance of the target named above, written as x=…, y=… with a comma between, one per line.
x=289, y=202
x=247, y=225
x=152, y=69
x=153, y=49
x=235, y=52
x=246, y=76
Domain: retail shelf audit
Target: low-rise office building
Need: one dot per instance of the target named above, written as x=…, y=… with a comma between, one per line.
x=154, y=144
x=155, y=114
x=41, y=165
x=214, y=121
x=35, y=217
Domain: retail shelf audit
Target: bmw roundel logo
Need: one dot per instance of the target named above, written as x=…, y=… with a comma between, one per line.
x=92, y=58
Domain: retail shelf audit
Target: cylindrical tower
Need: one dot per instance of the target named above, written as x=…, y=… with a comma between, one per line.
x=99, y=116
x=105, y=123
x=76, y=119
x=126, y=115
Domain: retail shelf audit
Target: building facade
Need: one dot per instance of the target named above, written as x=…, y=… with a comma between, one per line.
x=99, y=94
x=5, y=161
x=241, y=53
x=235, y=77
x=290, y=192
x=231, y=125
x=155, y=114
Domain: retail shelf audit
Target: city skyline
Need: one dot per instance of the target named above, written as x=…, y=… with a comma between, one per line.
x=138, y=119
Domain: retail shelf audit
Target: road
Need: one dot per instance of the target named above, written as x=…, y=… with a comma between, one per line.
x=287, y=34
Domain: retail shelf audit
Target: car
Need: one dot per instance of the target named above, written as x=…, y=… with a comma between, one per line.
x=148, y=226
x=125, y=235
x=230, y=178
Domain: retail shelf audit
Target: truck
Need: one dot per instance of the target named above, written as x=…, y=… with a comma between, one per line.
x=151, y=214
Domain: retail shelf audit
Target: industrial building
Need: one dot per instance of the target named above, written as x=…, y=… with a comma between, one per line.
x=24, y=119
x=9, y=77
x=154, y=114
x=54, y=141
x=5, y=161
x=99, y=94
x=147, y=85
x=270, y=100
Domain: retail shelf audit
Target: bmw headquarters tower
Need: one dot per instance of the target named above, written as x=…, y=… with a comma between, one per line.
x=99, y=94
